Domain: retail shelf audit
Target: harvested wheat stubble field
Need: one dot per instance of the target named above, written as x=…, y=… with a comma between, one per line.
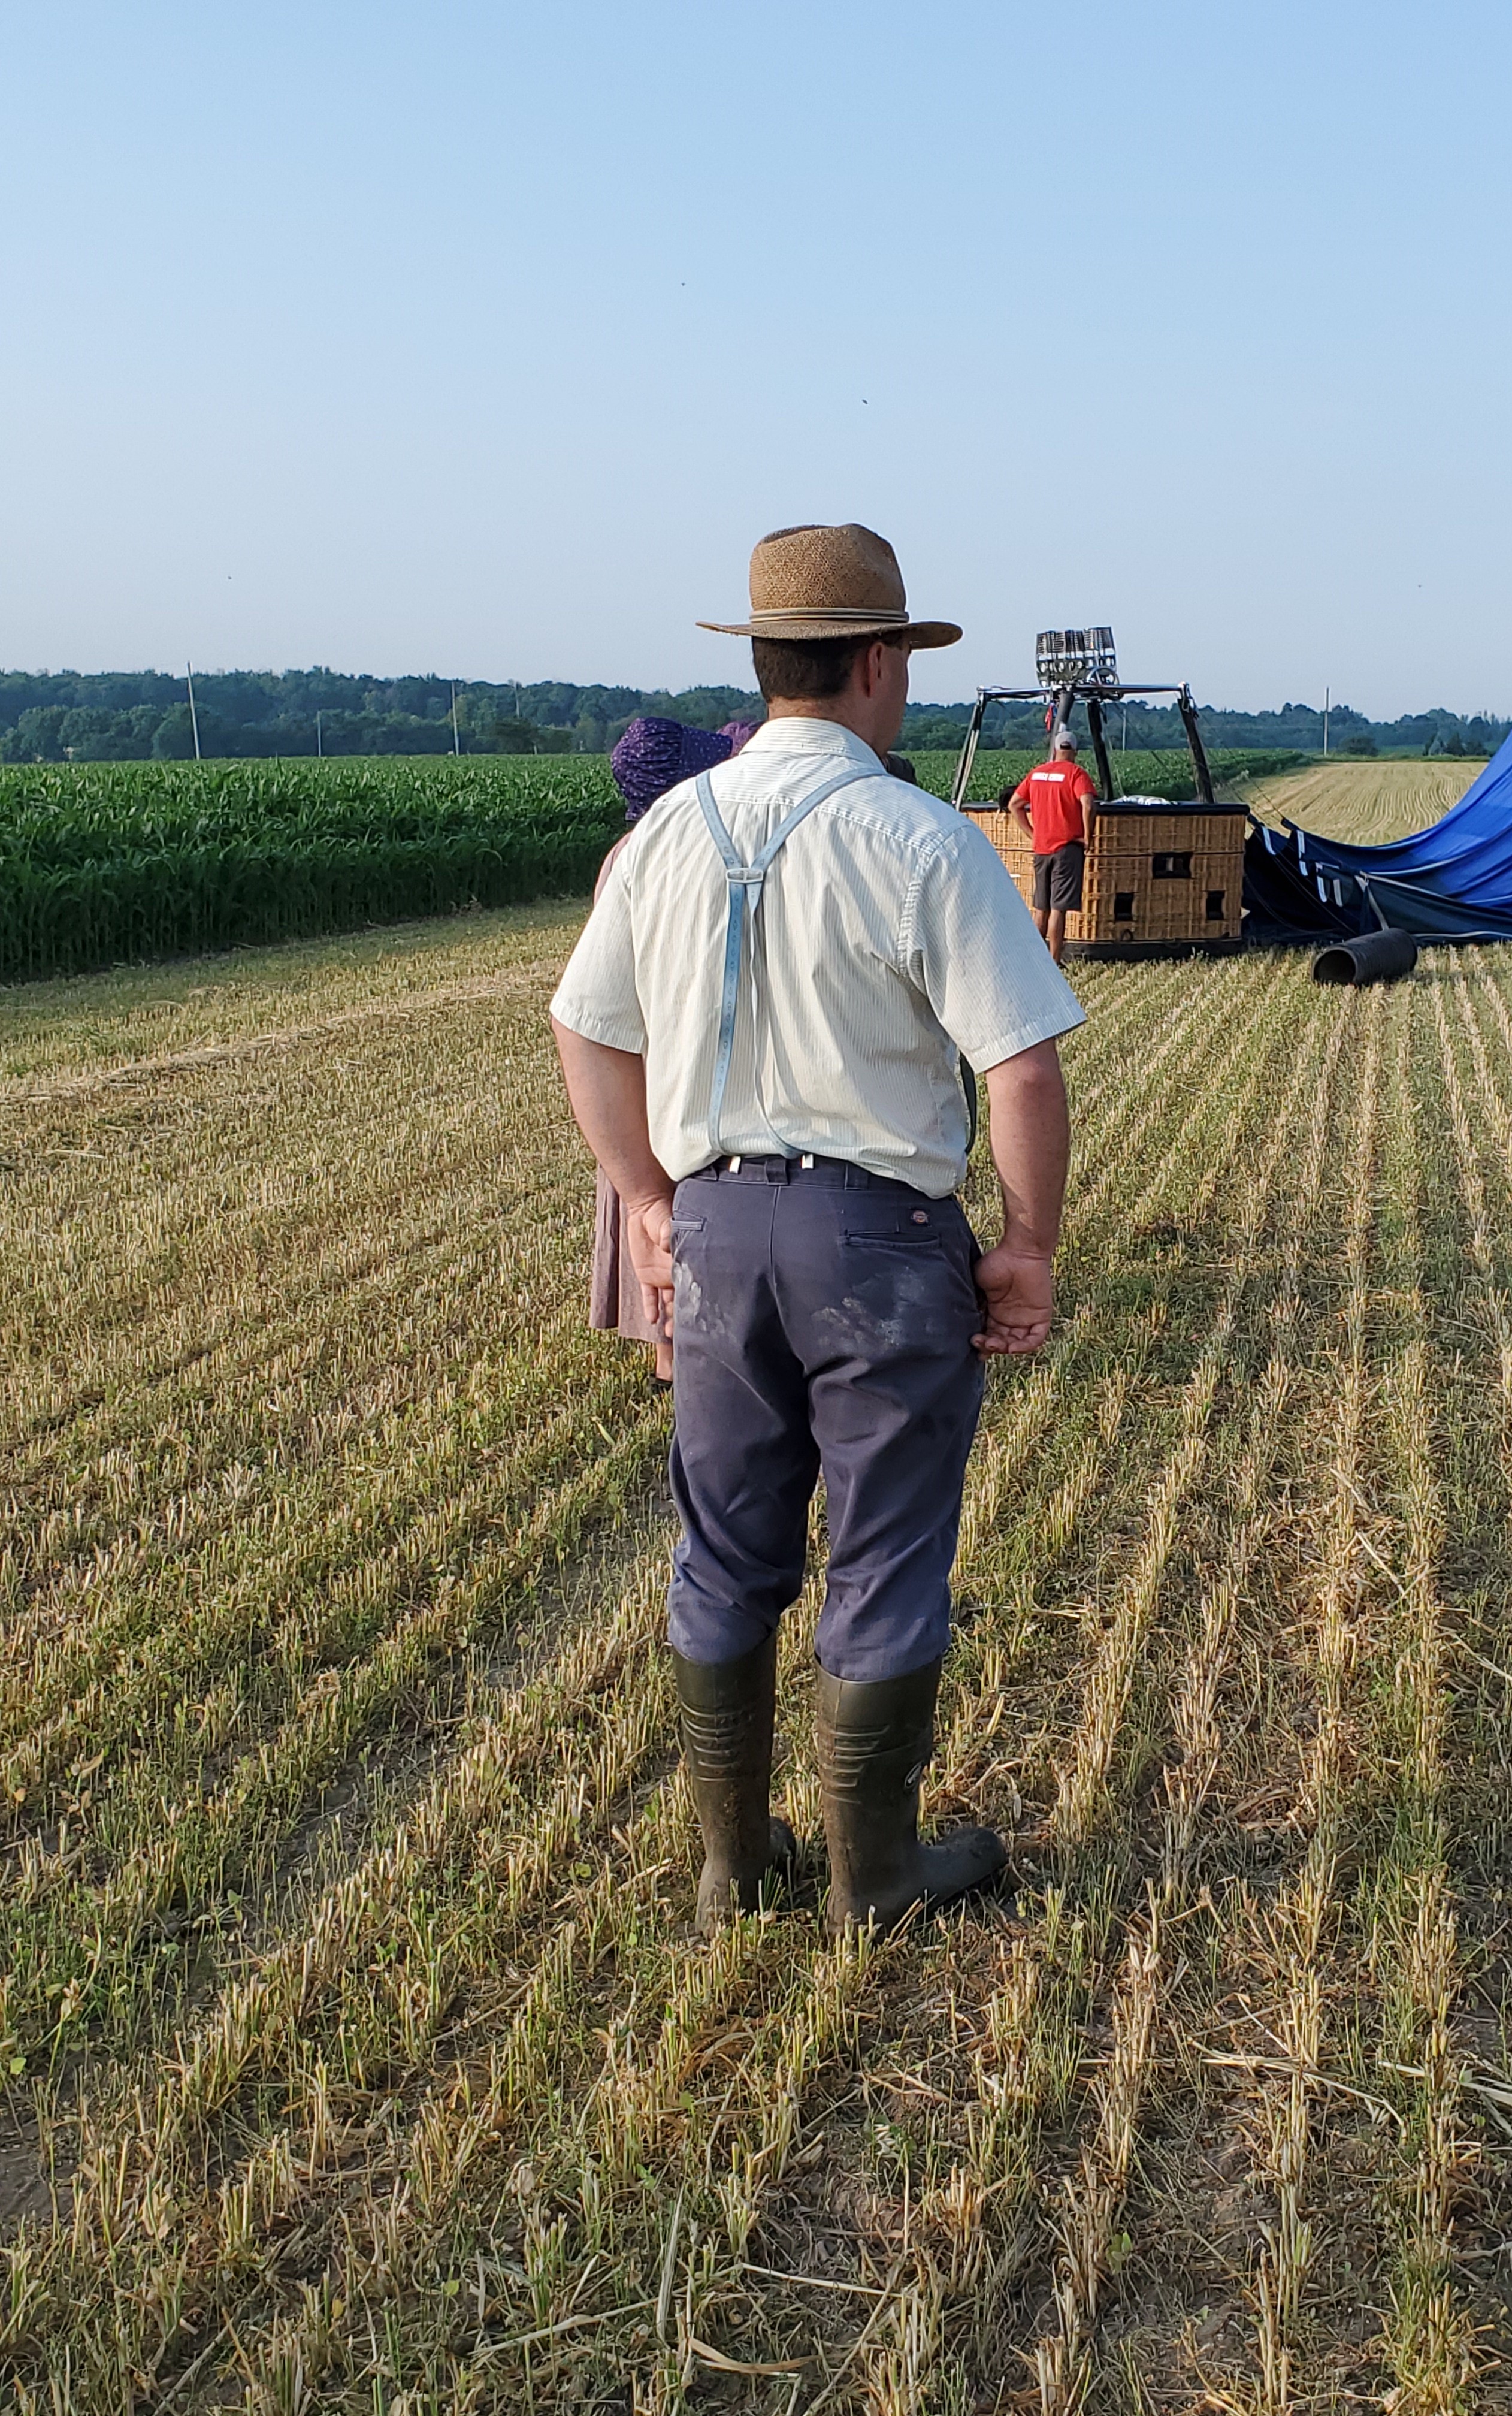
x=359, y=2055
x=1367, y=801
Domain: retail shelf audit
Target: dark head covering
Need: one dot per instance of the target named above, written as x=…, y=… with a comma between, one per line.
x=656, y=754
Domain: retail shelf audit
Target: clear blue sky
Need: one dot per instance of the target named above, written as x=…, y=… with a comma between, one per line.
x=484, y=339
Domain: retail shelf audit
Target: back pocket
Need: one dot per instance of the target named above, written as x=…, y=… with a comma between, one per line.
x=895, y=1240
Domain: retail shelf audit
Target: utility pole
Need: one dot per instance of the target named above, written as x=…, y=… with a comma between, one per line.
x=456, y=736
x=1327, y=702
x=320, y=742
x=194, y=718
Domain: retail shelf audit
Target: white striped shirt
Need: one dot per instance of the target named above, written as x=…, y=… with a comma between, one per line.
x=890, y=937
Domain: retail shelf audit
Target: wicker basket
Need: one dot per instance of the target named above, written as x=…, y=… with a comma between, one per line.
x=1157, y=876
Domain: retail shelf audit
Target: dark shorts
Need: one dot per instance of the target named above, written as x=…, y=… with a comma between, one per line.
x=823, y=1321
x=1058, y=878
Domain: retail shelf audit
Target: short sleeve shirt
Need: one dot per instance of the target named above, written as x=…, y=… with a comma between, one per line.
x=1055, y=794
x=889, y=942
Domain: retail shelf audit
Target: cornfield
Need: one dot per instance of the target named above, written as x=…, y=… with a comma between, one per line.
x=104, y=864
x=107, y=863
x=358, y=2053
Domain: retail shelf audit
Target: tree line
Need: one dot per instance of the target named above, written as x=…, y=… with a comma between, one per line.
x=124, y=716
x=1298, y=728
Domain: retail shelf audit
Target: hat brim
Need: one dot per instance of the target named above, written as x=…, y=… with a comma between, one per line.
x=919, y=634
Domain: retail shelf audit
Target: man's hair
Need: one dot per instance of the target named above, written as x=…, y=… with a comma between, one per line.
x=808, y=670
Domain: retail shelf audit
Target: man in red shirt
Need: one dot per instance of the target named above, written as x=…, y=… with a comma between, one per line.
x=1049, y=806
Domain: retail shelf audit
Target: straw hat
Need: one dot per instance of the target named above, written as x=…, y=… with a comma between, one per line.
x=830, y=582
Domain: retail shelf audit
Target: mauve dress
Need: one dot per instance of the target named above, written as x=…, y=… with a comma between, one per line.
x=614, y=1305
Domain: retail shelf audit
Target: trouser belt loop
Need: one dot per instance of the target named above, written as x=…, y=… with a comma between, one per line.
x=777, y=1167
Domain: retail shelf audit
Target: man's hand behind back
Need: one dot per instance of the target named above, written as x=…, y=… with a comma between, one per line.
x=1019, y=1290
x=607, y=1090
x=1030, y=1140
x=649, y=1238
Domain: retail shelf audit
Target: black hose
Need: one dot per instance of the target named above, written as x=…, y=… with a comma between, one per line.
x=1380, y=956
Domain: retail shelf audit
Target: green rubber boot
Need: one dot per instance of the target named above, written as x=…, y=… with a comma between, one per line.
x=728, y=1710
x=875, y=1740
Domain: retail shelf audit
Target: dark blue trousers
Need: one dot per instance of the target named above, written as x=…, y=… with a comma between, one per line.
x=823, y=1320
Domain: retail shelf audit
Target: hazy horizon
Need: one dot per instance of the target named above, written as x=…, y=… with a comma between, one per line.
x=491, y=337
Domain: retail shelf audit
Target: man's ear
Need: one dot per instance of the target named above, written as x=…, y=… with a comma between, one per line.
x=874, y=662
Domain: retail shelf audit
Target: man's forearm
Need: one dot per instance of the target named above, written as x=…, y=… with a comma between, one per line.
x=607, y=1088
x=1030, y=1144
x=607, y=1091
x=1030, y=1136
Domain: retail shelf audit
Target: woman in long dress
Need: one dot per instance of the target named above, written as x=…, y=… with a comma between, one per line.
x=653, y=756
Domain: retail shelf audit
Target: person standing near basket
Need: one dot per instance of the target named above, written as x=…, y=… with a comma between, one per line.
x=760, y=1030
x=1050, y=808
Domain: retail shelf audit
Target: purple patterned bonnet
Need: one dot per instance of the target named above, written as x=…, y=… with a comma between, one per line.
x=656, y=754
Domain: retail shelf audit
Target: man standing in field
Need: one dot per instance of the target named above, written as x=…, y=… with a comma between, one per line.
x=760, y=1030
x=1050, y=808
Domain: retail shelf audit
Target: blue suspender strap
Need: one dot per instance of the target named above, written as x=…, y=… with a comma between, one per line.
x=737, y=879
x=747, y=880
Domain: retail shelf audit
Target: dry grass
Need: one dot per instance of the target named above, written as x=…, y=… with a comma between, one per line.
x=361, y=2055
x=1366, y=801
